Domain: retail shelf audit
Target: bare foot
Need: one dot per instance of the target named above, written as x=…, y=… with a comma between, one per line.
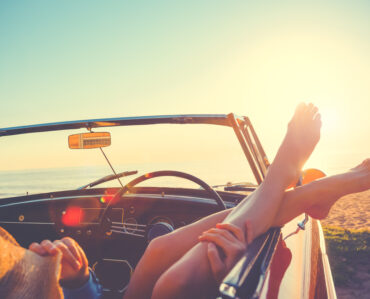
x=300, y=140
x=355, y=180
x=363, y=177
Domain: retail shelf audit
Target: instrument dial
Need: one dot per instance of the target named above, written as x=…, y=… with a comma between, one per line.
x=130, y=225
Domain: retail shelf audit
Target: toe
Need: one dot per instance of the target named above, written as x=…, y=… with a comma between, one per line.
x=300, y=108
x=310, y=106
x=315, y=110
x=312, y=110
x=367, y=163
x=364, y=165
x=300, y=112
x=317, y=119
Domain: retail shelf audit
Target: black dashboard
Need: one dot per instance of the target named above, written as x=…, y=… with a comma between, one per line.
x=135, y=218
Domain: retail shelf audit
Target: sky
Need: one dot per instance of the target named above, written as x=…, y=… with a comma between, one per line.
x=70, y=60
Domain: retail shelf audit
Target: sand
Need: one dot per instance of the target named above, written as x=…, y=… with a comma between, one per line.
x=351, y=212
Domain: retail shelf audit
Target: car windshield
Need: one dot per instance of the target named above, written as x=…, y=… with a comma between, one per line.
x=42, y=162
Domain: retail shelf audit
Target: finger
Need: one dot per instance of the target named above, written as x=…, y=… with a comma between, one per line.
x=249, y=232
x=234, y=229
x=72, y=247
x=217, y=239
x=67, y=255
x=231, y=249
x=217, y=266
x=223, y=232
x=84, y=260
x=49, y=247
x=38, y=249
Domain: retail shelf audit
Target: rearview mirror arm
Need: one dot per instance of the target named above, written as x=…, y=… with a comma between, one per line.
x=106, y=158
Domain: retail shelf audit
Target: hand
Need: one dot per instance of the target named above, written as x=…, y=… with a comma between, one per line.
x=230, y=240
x=74, y=264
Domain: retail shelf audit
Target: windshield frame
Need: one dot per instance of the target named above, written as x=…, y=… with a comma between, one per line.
x=242, y=127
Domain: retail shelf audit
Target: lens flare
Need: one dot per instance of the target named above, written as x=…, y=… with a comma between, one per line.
x=108, y=196
x=73, y=216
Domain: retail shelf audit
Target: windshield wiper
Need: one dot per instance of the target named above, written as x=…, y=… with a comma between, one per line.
x=237, y=186
x=108, y=178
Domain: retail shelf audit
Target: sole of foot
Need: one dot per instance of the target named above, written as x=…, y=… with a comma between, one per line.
x=355, y=180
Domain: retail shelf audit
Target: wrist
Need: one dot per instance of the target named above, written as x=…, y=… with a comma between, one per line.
x=76, y=282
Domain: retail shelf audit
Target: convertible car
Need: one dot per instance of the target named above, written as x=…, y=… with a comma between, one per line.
x=155, y=174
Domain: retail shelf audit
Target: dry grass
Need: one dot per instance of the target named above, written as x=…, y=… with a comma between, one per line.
x=349, y=253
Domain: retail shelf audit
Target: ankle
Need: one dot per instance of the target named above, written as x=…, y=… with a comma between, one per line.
x=284, y=173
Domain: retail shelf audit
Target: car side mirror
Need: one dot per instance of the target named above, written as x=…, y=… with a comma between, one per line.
x=311, y=174
x=89, y=140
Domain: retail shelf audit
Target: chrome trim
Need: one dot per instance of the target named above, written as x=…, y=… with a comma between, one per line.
x=215, y=119
x=302, y=224
x=306, y=273
x=128, y=195
x=16, y=222
x=330, y=288
x=116, y=261
x=48, y=199
x=135, y=229
x=124, y=224
x=228, y=290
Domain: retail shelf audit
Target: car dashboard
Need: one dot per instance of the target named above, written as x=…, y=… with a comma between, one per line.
x=135, y=219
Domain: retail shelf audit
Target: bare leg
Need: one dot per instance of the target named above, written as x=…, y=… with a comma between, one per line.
x=315, y=199
x=302, y=136
x=191, y=275
x=164, y=251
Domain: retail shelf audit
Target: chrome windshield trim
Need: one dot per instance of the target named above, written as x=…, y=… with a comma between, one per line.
x=213, y=119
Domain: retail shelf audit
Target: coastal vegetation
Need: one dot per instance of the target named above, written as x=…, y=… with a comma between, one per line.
x=349, y=252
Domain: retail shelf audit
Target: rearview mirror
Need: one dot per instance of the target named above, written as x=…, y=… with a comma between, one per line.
x=89, y=140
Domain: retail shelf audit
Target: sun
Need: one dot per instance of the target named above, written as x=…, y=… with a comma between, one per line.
x=330, y=120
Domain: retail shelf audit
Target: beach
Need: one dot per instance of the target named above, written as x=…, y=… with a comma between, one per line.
x=351, y=212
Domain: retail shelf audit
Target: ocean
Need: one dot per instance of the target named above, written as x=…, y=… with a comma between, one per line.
x=22, y=182
x=31, y=181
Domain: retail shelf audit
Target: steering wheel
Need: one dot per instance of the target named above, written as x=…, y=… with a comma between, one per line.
x=105, y=222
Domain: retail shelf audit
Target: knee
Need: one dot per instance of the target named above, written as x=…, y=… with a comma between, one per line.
x=157, y=247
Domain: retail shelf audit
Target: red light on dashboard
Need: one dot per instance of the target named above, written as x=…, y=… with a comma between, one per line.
x=72, y=216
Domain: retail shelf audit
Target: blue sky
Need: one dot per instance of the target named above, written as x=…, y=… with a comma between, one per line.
x=68, y=60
